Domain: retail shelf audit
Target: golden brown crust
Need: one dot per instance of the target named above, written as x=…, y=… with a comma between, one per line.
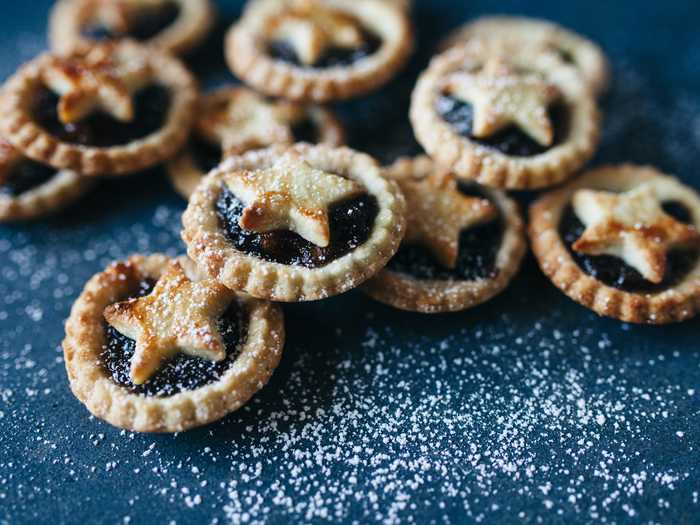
x=19, y=127
x=208, y=246
x=93, y=386
x=488, y=166
x=677, y=303
x=249, y=60
x=435, y=296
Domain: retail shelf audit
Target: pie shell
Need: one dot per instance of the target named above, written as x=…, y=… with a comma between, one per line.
x=249, y=60
x=22, y=131
x=208, y=246
x=488, y=166
x=436, y=296
x=93, y=386
x=678, y=303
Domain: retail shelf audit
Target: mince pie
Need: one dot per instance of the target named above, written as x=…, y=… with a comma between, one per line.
x=294, y=223
x=234, y=120
x=176, y=26
x=115, y=108
x=463, y=243
x=503, y=121
x=541, y=38
x=623, y=241
x=29, y=189
x=319, y=50
x=153, y=346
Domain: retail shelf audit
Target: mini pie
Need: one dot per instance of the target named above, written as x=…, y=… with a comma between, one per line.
x=113, y=109
x=176, y=26
x=152, y=346
x=463, y=243
x=623, y=241
x=294, y=223
x=319, y=50
x=503, y=121
x=234, y=120
x=534, y=37
x=29, y=190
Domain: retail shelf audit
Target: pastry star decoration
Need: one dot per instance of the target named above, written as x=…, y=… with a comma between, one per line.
x=501, y=95
x=179, y=315
x=118, y=15
x=290, y=195
x=439, y=212
x=105, y=78
x=631, y=226
x=311, y=29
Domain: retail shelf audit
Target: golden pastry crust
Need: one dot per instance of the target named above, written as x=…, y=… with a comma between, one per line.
x=486, y=165
x=677, y=303
x=435, y=296
x=70, y=17
x=93, y=386
x=248, y=57
x=517, y=34
x=183, y=170
x=21, y=129
x=209, y=247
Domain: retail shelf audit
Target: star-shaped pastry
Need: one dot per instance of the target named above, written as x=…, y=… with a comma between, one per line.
x=179, y=315
x=631, y=226
x=500, y=96
x=118, y=15
x=311, y=28
x=290, y=195
x=438, y=213
x=105, y=78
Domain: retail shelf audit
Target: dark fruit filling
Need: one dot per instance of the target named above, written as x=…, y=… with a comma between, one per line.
x=25, y=176
x=332, y=57
x=146, y=25
x=183, y=372
x=613, y=271
x=350, y=222
x=510, y=141
x=151, y=107
x=305, y=130
x=207, y=156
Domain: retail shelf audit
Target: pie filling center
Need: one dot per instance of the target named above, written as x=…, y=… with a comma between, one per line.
x=142, y=24
x=332, y=56
x=25, y=176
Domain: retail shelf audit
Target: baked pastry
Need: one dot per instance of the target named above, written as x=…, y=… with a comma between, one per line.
x=29, y=190
x=503, y=121
x=294, y=223
x=463, y=243
x=319, y=50
x=152, y=346
x=234, y=120
x=623, y=241
x=535, y=37
x=176, y=26
x=113, y=109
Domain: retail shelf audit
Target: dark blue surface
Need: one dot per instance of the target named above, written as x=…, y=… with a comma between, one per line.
x=529, y=408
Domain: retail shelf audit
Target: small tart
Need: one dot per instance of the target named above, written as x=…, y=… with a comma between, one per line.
x=113, y=109
x=319, y=50
x=174, y=313
x=175, y=26
x=233, y=120
x=29, y=190
x=503, y=121
x=534, y=37
x=624, y=242
x=294, y=223
x=454, y=231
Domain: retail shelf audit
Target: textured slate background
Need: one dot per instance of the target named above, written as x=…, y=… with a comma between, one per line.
x=529, y=408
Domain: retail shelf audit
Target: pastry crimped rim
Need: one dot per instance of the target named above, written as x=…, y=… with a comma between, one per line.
x=590, y=60
x=20, y=129
x=184, y=173
x=191, y=27
x=436, y=296
x=94, y=387
x=249, y=60
x=488, y=166
x=677, y=303
x=208, y=246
